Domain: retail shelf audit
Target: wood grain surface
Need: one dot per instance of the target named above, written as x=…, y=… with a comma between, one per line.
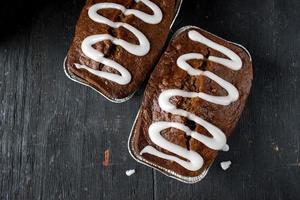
x=54, y=132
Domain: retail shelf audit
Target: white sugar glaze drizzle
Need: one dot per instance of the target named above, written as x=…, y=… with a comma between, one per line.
x=218, y=140
x=139, y=50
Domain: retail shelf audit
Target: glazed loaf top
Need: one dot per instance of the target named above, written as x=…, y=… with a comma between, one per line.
x=117, y=42
x=192, y=103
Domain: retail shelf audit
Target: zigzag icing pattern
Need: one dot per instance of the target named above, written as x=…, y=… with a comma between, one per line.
x=139, y=50
x=194, y=160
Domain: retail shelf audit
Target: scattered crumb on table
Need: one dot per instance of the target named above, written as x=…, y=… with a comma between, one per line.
x=106, y=158
x=130, y=172
x=225, y=165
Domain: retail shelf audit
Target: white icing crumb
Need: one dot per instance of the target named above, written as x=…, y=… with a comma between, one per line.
x=226, y=147
x=225, y=165
x=130, y=172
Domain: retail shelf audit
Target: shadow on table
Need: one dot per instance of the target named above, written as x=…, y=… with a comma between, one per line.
x=16, y=17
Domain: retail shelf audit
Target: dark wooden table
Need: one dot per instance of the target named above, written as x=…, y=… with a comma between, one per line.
x=53, y=132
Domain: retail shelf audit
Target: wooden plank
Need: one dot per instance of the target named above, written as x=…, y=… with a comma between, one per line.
x=54, y=131
x=265, y=147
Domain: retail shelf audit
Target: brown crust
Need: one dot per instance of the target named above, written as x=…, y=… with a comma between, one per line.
x=167, y=75
x=139, y=67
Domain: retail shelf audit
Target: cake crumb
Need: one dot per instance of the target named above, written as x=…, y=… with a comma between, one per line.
x=106, y=158
x=225, y=165
x=130, y=172
x=275, y=147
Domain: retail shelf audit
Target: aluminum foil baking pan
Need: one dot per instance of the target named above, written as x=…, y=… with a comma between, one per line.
x=167, y=172
x=79, y=80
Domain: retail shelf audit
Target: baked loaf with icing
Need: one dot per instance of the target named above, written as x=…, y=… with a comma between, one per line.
x=117, y=43
x=191, y=104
